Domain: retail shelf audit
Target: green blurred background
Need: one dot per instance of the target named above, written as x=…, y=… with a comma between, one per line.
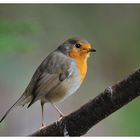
x=28, y=33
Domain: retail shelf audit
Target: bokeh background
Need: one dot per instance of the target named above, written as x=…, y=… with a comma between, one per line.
x=28, y=33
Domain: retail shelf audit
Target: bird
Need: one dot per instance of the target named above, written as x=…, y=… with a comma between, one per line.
x=59, y=75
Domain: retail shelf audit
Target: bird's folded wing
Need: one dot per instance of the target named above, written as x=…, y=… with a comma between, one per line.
x=54, y=72
x=46, y=83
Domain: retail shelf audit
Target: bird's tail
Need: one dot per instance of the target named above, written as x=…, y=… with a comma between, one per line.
x=21, y=101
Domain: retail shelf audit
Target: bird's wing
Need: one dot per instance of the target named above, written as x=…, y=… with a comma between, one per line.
x=55, y=69
x=52, y=71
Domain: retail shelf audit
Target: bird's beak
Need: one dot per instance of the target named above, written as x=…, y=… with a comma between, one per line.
x=92, y=50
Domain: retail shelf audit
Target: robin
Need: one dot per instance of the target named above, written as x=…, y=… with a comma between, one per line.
x=58, y=76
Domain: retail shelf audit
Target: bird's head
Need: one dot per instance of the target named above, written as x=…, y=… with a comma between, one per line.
x=77, y=48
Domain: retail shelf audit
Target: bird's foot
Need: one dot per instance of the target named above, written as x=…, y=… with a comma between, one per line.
x=60, y=118
x=42, y=126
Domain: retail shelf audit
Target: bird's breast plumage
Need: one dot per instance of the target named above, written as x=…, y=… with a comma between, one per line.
x=67, y=87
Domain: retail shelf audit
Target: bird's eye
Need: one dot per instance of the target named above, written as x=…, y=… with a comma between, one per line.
x=77, y=45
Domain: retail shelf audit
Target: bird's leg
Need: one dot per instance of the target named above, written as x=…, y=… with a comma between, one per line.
x=56, y=108
x=42, y=115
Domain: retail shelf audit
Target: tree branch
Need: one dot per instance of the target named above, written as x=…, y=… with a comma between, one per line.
x=80, y=121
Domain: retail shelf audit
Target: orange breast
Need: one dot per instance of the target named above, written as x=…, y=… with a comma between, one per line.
x=81, y=61
x=82, y=67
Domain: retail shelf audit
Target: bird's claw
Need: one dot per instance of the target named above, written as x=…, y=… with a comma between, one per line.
x=42, y=126
x=61, y=117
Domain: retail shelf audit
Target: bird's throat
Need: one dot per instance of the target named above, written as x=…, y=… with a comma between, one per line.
x=81, y=61
x=82, y=67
